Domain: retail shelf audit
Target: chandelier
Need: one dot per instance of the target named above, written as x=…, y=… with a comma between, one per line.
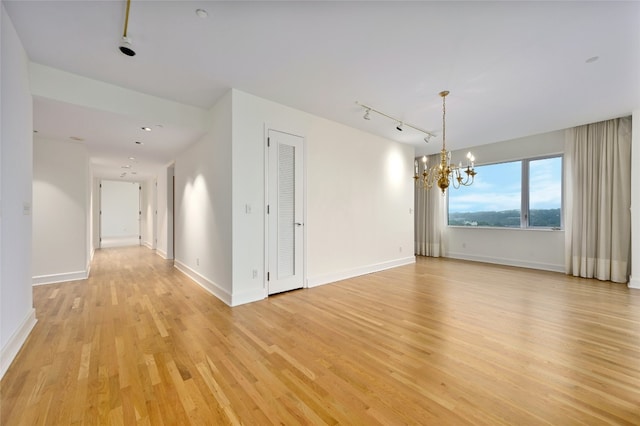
x=445, y=173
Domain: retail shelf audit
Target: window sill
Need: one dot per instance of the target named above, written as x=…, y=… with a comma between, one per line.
x=505, y=228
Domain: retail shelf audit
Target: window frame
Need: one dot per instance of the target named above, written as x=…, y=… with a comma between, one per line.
x=525, y=192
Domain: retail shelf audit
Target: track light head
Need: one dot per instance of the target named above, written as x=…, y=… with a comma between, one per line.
x=366, y=114
x=125, y=47
x=399, y=126
x=427, y=138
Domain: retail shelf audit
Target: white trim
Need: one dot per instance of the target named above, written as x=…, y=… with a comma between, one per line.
x=13, y=346
x=355, y=272
x=204, y=282
x=248, y=297
x=508, y=262
x=147, y=244
x=634, y=283
x=60, y=278
x=162, y=254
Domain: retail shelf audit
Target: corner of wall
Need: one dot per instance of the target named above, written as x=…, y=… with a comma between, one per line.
x=15, y=342
x=204, y=282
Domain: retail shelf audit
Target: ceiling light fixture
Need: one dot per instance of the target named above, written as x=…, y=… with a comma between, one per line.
x=125, y=42
x=146, y=129
x=139, y=143
x=202, y=13
x=592, y=59
x=401, y=125
x=446, y=173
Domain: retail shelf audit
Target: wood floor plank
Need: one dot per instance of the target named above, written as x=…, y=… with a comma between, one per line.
x=441, y=342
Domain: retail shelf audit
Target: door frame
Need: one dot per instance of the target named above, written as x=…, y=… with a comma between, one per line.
x=267, y=128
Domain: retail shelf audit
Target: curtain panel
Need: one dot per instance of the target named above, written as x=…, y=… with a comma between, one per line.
x=429, y=219
x=598, y=200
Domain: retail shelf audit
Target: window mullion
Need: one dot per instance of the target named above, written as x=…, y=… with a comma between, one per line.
x=524, y=195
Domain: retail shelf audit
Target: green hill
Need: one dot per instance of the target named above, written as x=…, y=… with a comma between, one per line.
x=544, y=218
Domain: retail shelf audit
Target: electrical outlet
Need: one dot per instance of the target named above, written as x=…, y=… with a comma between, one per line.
x=255, y=274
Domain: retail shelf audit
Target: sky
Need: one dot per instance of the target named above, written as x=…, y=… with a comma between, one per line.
x=497, y=187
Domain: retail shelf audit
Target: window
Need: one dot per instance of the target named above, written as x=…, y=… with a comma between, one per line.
x=517, y=194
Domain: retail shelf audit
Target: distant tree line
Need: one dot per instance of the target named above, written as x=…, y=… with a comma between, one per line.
x=546, y=218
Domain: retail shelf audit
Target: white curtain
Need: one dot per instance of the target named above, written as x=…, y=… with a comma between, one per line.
x=429, y=219
x=598, y=200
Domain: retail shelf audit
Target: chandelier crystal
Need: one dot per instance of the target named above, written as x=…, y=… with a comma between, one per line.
x=445, y=173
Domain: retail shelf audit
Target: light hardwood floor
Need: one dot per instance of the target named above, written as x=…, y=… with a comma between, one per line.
x=439, y=342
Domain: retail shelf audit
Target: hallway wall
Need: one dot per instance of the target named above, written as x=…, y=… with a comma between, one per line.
x=17, y=316
x=61, y=211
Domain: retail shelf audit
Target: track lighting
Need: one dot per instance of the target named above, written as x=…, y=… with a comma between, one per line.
x=125, y=42
x=125, y=47
x=401, y=124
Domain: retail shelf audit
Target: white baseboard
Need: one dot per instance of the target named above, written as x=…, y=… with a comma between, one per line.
x=634, y=283
x=147, y=244
x=205, y=283
x=161, y=253
x=60, y=278
x=11, y=349
x=355, y=272
x=507, y=262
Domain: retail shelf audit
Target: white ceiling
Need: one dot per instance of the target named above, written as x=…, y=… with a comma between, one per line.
x=513, y=68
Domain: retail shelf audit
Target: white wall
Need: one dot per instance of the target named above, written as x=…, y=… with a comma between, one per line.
x=147, y=218
x=358, y=201
x=540, y=249
x=203, y=206
x=95, y=213
x=17, y=316
x=161, y=215
x=61, y=211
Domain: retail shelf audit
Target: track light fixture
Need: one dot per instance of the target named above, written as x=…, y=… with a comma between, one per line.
x=125, y=42
x=401, y=124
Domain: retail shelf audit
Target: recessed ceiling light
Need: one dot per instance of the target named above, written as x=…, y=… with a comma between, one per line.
x=76, y=138
x=592, y=59
x=132, y=158
x=35, y=131
x=139, y=143
x=146, y=129
x=126, y=166
x=202, y=13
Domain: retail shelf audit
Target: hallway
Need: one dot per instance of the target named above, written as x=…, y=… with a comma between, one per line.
x=438, y=342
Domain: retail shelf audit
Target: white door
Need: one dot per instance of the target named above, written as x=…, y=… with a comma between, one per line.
x=285, y=212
